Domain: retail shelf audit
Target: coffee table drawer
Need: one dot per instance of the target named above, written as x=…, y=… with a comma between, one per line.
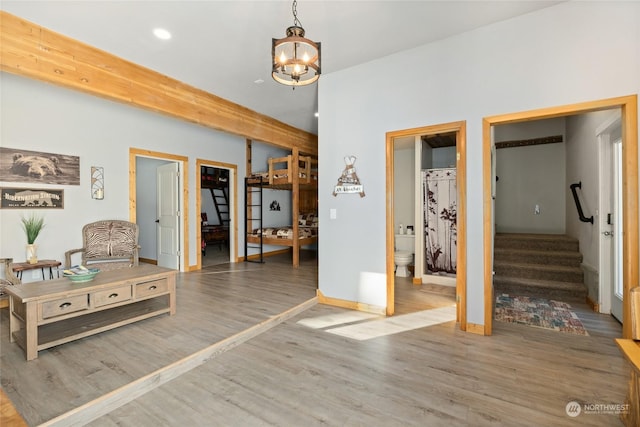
x=153, y=287
x=65, y=306
x=111, y=296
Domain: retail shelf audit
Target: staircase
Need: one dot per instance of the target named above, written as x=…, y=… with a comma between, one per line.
x=538, y=265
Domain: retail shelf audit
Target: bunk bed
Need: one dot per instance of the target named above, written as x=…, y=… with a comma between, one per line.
x=295, y=173
x=281, y=173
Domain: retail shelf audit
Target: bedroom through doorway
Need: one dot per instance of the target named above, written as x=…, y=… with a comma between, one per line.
x=215, y=205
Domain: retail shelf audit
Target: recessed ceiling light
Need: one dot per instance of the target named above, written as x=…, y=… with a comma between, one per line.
x=259, y=81
x=161, y=33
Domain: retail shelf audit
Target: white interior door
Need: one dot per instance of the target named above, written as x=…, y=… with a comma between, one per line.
x=605, y=224
x=610, y=217
x=168, y=216
x=616, y=232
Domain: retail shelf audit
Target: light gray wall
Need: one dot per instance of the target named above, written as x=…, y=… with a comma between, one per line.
x=48, y=118
x=556, y=56
x=443, y=157
x=582, y=166
x=530, y=176
x=404, y=187
x=436, y=158
x=427, y=155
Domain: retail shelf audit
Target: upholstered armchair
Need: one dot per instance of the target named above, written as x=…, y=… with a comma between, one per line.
x=107, y=245
x=8, y=280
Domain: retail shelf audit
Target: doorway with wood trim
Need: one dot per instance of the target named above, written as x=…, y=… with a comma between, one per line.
x=150, y=212
x=629, y=126
x=216, y=200
x=457, y=130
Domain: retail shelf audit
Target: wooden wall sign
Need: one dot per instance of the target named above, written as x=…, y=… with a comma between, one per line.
x=349, y=181
x=18, y=165
x=28, y=198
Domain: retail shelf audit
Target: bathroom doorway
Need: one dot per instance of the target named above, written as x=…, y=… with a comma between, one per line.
x=425, y=207
x=437, y=238
x=442, y=149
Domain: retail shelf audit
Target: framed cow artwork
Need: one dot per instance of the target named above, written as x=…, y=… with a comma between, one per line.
x=18, y=165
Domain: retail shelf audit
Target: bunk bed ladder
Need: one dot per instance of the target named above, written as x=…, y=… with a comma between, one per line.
x=221, y=203
x=253, y=218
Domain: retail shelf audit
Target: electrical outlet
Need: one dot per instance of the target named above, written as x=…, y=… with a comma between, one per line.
x=333, y=213
x=35, y=274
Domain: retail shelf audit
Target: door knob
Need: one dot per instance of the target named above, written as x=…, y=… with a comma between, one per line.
x=608, y=233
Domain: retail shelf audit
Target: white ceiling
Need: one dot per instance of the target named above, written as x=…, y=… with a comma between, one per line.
x=223, y=47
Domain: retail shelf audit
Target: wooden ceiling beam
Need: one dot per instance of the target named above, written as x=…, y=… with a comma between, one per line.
x=29, y=50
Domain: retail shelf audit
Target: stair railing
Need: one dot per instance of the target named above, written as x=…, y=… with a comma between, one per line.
x=578, y=205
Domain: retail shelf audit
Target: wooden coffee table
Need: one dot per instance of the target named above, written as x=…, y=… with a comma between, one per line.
x=46, y=314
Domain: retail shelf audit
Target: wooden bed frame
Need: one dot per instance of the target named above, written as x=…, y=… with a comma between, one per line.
x=280, y=241
x=282, y=174
x=299, y=175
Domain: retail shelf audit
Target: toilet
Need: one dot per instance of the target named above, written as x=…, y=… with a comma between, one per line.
x=403, y=256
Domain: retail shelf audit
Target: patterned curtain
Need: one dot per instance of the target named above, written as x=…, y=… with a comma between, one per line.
x=440, y=216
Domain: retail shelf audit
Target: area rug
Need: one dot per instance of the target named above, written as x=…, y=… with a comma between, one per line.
x=539, y=313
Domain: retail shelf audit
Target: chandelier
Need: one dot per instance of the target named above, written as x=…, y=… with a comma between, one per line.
x=295, y=59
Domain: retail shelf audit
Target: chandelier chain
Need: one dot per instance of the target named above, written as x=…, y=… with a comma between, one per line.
x=294, y=9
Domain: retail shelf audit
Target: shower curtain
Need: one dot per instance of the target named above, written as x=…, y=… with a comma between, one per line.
x=440, y=229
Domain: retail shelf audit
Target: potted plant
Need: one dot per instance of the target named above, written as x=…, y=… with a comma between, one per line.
x=32, y=227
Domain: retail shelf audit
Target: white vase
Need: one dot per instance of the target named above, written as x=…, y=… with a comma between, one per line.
x=32, y=253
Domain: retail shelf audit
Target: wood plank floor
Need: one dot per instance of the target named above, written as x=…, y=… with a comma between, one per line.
x=293, y=375
x=215, y=255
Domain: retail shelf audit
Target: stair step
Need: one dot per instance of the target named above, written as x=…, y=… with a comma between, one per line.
x=543, y=242
x=526, y=256
x=541, y=288
x=558, y=273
